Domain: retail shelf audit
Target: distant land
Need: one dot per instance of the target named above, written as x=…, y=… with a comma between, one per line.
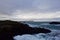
x=35, y=20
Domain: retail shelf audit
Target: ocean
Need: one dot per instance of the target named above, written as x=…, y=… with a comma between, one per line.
x=54, y=35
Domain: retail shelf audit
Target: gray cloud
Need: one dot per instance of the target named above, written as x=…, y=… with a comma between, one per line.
x=13, y=8
x=8, y=6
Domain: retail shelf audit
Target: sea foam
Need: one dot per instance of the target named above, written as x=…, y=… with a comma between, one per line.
x=54, y=35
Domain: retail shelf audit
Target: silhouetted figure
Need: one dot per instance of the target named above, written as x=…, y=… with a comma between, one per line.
x=9, y=29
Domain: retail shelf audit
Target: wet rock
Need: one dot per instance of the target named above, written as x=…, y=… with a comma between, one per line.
x=9, y=28
x=54, y=23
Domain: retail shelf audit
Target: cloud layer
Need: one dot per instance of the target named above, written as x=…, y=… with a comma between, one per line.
x=30, y=9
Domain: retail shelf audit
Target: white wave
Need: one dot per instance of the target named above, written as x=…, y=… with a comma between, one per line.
x=33, y=25
x=54, y=35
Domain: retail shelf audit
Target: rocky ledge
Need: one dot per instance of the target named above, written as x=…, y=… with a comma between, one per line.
x=9, y=28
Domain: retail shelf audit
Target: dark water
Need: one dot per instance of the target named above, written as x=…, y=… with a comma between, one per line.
x=44, y=25
x=54, y=35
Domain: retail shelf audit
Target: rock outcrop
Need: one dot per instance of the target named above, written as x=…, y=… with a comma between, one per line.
x=54, y=22
x=8, y=29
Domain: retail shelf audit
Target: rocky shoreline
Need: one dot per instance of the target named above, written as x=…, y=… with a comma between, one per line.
x=9, y=28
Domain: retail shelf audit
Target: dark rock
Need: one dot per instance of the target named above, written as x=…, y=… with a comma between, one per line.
x=8, y=29
x=54, y=23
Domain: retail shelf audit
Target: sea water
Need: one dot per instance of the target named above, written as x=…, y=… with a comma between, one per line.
x=54, y=35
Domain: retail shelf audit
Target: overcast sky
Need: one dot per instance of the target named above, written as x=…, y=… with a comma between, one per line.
x=29, y=9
